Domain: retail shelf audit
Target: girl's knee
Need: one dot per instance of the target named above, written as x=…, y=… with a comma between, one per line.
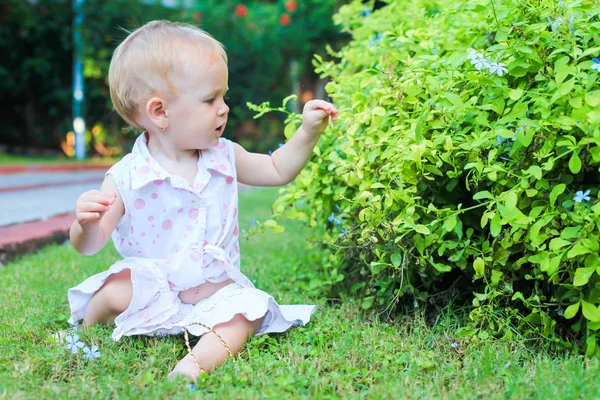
x=251, y=326
x=117, y=291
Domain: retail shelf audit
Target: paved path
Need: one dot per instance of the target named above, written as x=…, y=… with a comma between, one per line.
x=28, y=197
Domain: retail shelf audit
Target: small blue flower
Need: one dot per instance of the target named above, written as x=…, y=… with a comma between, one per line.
x=499, y=140
x=556, y=24
x=281, y=144
x=474, y=55
x=595, y=64
x=497, y=68
x=192, y=387
x=331, y=218
x=581, y=196
x=74, y=344
x=571, y=17
x=270, y=152
x=365, y=12
x=480, y=63
x=434, y=51
x=375, y=39
x=92, y=353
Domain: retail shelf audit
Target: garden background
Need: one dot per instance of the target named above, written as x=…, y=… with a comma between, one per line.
x=447, y=226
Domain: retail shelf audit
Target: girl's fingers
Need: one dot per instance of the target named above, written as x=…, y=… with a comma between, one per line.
x=89, y=206
x=83, y=217
x=102, y=198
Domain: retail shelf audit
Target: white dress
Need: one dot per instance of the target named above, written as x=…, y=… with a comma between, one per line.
x=174, y=236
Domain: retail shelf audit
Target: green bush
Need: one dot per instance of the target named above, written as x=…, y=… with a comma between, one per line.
x=465, y=159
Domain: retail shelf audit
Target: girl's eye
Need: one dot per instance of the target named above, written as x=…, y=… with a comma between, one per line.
x=210, y=101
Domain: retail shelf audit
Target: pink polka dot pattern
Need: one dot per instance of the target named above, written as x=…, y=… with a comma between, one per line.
x=167, y=225
x=139, y=204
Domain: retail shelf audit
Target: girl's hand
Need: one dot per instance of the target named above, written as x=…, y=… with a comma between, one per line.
x=315, y=116
x=91, y=206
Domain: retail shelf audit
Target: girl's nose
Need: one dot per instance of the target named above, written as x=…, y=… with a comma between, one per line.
x=224, y=109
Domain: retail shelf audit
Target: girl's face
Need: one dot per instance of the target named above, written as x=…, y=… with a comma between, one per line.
x=198, y=113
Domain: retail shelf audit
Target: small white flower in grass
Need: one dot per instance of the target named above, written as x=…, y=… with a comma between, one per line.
x=581, y=196
x=74, y=344
x=92, y=353
x=595, y=64
x=497, y=68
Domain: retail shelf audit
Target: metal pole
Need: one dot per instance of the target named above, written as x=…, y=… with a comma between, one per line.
x=78, y=89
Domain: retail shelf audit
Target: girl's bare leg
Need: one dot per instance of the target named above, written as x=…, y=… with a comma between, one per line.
x=211, y=353
x=110, y=300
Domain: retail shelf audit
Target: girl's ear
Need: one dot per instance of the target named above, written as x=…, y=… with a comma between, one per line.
x=156, y=110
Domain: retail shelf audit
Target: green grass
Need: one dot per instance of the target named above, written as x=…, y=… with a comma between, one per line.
x=341, y=353
x=6, y=158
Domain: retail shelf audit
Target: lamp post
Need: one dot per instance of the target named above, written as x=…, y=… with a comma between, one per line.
x=78, y=122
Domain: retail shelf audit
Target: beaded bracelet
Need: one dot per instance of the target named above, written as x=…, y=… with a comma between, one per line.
x=187, y=344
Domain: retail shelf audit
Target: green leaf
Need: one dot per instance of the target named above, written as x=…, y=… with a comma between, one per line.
x=558, y=243
x=396, y=259
x=570, y=232
x=524, y=136
x=422, y=229
x=572, y=310
x=516, y=94
x=582, y=276
x=535, y=171
x=450, y=223
x=484, y=194
x=478, y=266
x=593, y=98
x=290, y=97
x=578, y=250
x=556, y=191
x=270, y=223
x=575, y=163
x=590, y=346
x=289, y=130
x=495, y=225
x=378, y=111
x=590, y=311
x=367, y=302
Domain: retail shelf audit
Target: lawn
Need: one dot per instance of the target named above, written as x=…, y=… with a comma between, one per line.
x=341, y=353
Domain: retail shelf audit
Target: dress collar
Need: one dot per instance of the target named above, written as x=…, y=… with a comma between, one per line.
x=146, y=169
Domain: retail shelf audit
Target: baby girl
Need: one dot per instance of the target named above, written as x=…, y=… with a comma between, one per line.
x=171, y=205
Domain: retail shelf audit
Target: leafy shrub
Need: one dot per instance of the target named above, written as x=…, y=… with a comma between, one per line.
x=466, y=153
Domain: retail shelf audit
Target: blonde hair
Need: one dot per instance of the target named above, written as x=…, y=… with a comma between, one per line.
x=144, y=63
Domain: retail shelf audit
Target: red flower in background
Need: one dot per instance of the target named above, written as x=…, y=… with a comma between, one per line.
x=285, y=19
x=241, y=10
x=197, y=16
x=291, y=6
